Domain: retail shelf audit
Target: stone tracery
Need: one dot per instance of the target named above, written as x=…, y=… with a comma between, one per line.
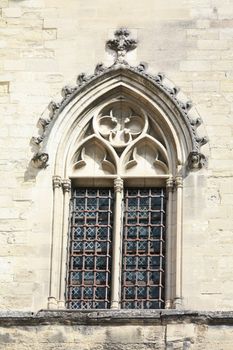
x=120, y=126
x=128, y=134
x=112, y=128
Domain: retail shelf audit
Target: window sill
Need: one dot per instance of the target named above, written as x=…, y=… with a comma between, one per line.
x=114, y=317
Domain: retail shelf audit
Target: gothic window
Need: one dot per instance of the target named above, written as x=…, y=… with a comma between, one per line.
x=117, y=241
x=119, y=145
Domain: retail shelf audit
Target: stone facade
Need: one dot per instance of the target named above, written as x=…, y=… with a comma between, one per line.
x=44, y=46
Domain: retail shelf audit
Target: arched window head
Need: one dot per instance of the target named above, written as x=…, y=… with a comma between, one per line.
x=122, y=140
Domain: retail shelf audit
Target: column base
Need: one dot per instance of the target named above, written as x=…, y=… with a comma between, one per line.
x=114, y=305
x=168, y=304
x=52, y=303
x=178, y=303
x=61, y=304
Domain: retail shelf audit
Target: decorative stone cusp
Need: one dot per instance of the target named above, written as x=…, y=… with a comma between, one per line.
x=121, y=44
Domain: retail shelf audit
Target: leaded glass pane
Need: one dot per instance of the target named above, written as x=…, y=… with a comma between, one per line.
x=143, y=249
x=88, y=280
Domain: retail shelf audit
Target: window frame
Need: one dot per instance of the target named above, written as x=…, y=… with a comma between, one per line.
x=117, y=245
x=62, y=138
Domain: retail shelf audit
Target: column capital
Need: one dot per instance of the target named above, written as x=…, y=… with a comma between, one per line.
x=170, y=183
x=179, y=181
x=56, y=181
x=66, y=185
x=118, y=185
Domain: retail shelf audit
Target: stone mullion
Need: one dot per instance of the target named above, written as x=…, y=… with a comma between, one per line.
x=179, y=217
x=168, y=258
x=55, y=244
x=117, y=245
x=66, y=186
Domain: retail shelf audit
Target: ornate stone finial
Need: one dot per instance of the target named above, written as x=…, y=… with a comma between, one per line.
x=67, y=91
x=40, y=160
x=66, y=185
x=37, y=140
x=174, y=90
x=82, y=79
x=100, y=68
x=44, y=123
x=53, y=107
x=121, y=44
x=196, y=122
x=196, y=160
x=56, y=181
x=186, y=106
x=202, y=140
x=142, y=67
x=118, y=184
x=159, y=78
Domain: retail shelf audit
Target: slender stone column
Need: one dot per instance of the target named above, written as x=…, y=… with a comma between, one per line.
x=117, y=243
x=179, y=239
x=55, y=244
x=168, y=265
x=66, y=186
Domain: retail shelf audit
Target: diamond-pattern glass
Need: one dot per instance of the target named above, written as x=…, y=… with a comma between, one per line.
x=143, y=249
x=88, y=279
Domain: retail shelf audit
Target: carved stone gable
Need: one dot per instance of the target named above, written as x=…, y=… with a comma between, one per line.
x=119, y=127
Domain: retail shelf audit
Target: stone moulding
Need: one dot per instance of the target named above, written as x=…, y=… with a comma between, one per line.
x=121, y=45
x=119, y=317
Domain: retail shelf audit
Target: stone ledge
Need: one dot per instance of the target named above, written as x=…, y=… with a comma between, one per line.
x=116, y=317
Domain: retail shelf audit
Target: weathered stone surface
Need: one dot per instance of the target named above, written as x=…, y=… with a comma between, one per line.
x=65, y=330
x=44, y=45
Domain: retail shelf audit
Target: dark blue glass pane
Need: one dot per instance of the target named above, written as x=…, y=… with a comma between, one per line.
x=143, y=249
x=90, y=249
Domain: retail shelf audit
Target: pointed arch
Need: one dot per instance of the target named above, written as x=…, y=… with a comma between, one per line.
x=178, y=122
x=169, y=130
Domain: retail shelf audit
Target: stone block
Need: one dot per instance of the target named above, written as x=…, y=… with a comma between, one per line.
x=12, y=12
x=195, y=66
x=212, y=44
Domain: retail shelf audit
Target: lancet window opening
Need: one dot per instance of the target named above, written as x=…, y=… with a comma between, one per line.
x=140, y=266
x=117, y=256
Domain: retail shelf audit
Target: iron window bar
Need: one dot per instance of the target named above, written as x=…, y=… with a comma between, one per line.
x=143, y=250
x=88, y=282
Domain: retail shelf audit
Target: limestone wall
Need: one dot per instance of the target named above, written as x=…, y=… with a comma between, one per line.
x=104, y=331
x=44, y=45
